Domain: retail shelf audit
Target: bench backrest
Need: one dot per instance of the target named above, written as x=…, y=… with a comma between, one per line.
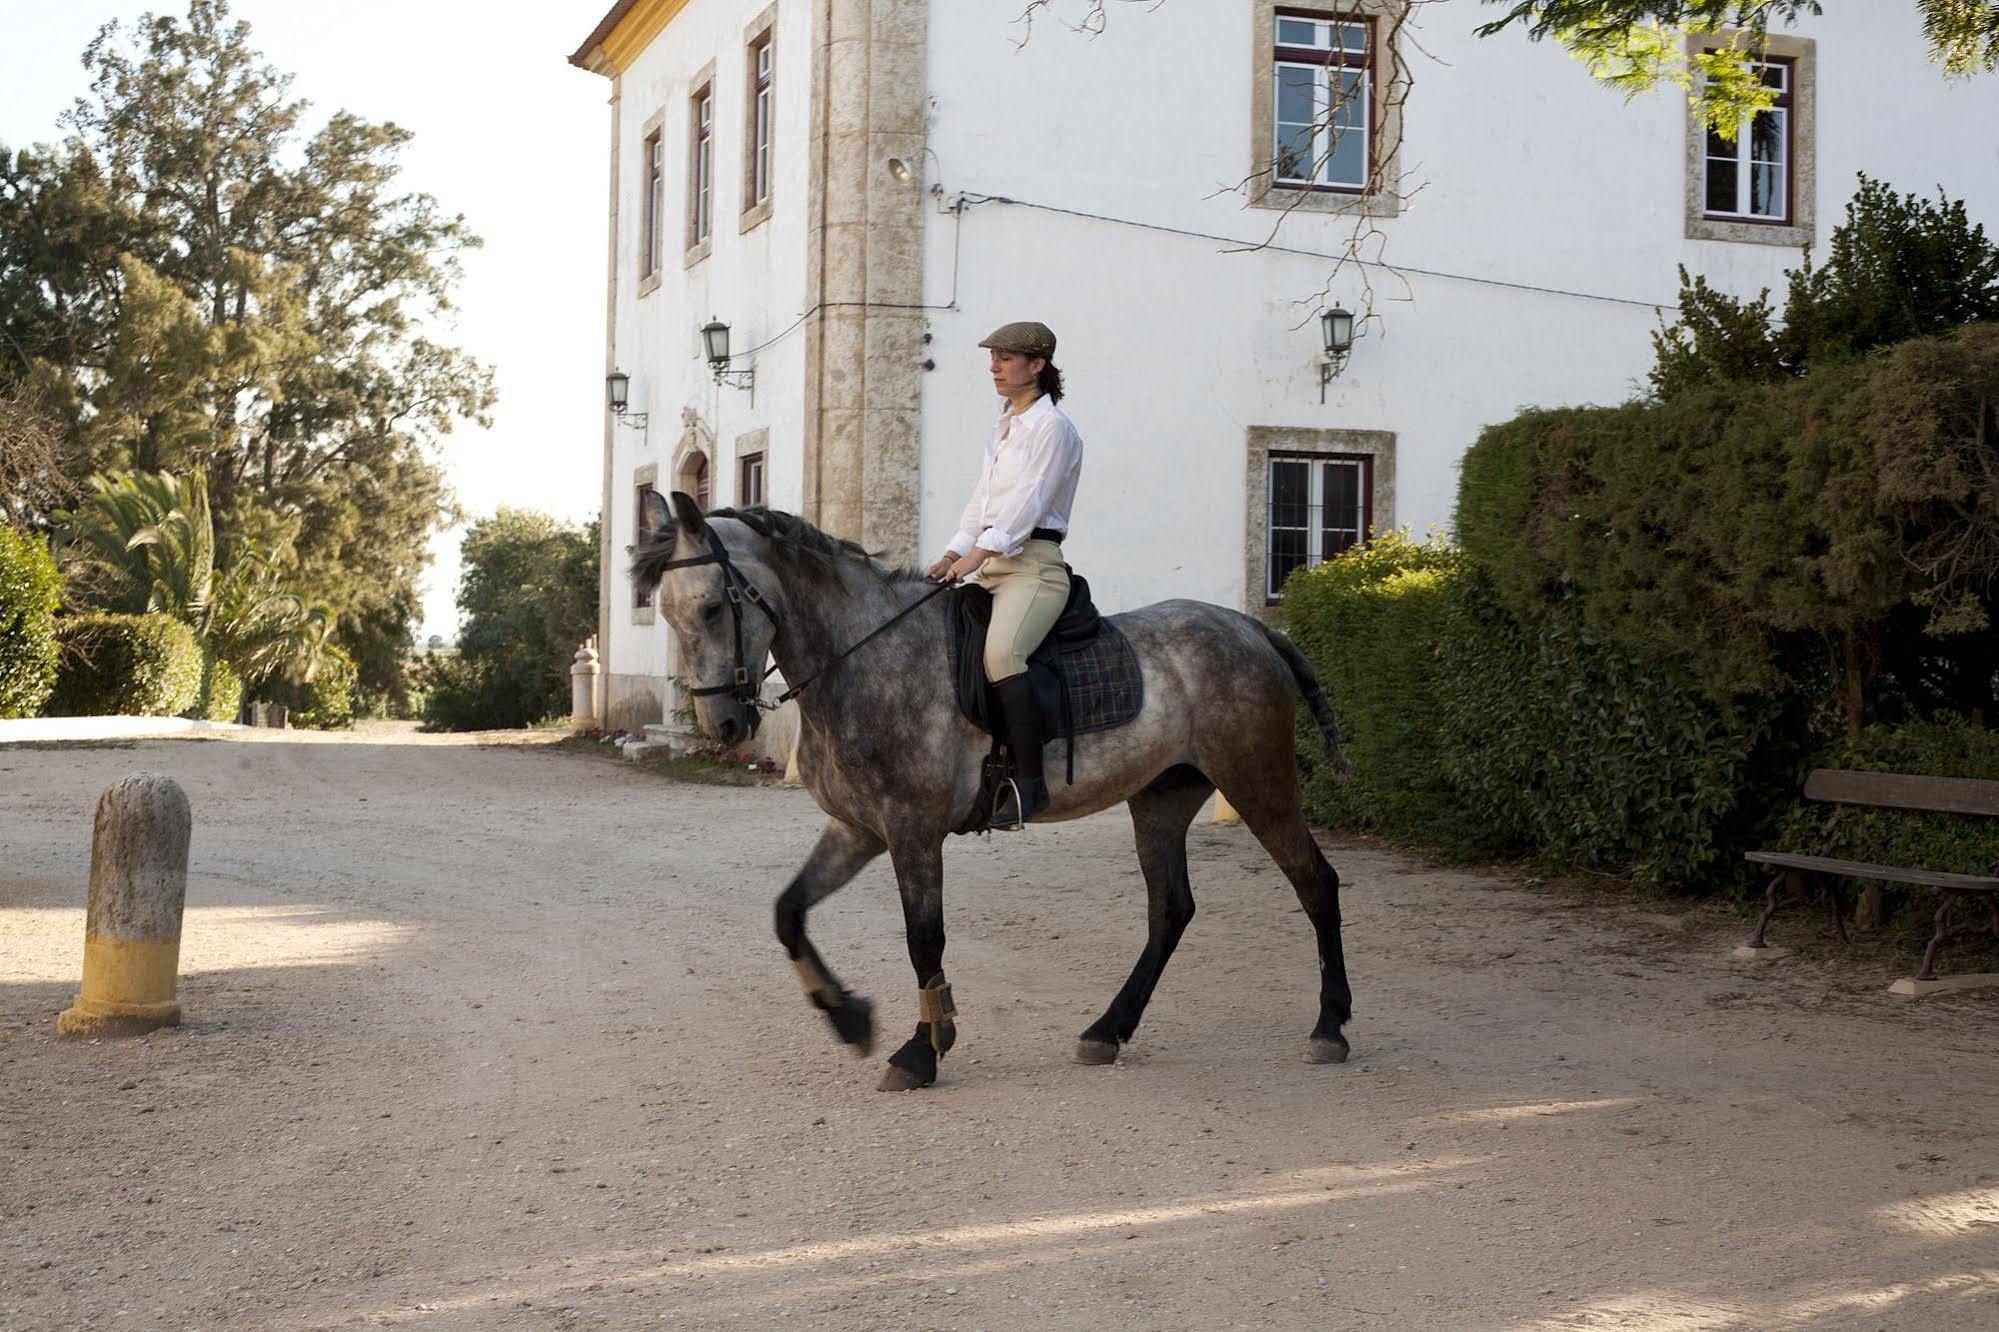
x=1943, y=795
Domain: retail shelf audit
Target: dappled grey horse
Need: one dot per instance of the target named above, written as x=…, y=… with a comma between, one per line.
x=887, y=754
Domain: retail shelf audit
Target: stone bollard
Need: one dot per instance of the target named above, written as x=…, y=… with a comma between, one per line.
x=583, y=678
x=792, y=775
x=138, y=887
x=1224, y=811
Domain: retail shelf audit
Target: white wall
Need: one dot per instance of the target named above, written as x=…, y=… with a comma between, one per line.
x=754, y=281
x=1531, y=174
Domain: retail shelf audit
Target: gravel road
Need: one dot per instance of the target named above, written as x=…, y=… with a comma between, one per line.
x=495, y=1036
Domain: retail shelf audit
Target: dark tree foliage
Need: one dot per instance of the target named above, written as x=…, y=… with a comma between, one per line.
x=198, y=280
x=529, y=596
x=1898, y=267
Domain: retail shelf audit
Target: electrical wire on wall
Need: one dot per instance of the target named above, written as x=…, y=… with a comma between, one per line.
x=974, y=200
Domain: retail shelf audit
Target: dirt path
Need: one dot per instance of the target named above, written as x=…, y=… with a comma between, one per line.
x=496, y=1038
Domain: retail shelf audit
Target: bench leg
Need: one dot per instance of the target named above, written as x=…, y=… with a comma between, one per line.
x=1943, y=932
x=1772, y=900
x=1838, y=910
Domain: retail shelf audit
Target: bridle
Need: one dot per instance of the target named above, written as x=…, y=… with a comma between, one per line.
x=739, y=589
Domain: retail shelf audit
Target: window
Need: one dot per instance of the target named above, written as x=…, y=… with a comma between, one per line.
x=750, y=479
x=1751, y=178
x=763, y=108
x=694, y=479
x=655, y=204
x=701, y=184
x=1322, y=102
x=642, y=594
x=1319, y=506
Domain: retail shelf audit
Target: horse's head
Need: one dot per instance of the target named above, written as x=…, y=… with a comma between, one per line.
x=711, y=594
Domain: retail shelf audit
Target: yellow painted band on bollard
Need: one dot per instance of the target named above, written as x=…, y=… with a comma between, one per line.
x=791, y=767
x=127, y=984
x=1224, y=811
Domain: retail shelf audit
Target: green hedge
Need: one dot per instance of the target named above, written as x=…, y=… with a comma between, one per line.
x=1742, y=533
x=30, y=591
x=1369, y=622
x=1471, y=732
x=220, y=697
x=133, y=665
x=326, y=702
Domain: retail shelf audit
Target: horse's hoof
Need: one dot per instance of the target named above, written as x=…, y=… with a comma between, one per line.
x=1096, y=1052
x=901, y=1079
x=1320, y=1050
x=854, y=1023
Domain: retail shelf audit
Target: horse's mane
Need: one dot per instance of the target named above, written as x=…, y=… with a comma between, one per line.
x=797, y=543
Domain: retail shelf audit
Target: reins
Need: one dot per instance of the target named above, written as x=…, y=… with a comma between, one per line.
x=739, y=589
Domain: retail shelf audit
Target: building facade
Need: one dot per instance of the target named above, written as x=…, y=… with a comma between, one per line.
x=861, y=189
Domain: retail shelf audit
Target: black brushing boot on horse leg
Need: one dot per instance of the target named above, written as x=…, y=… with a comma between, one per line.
x=1026, y=794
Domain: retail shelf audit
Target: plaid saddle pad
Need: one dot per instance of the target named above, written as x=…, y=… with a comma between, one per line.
x=1086, y=674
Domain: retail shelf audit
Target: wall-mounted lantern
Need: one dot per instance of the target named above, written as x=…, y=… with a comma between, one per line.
x=715, y=342
x=1336, y=328
x=618, y=394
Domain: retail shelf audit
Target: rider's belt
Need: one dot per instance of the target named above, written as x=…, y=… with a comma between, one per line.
x=1046, y=534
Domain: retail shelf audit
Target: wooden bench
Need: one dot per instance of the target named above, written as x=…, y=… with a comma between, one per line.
x=1888, y=790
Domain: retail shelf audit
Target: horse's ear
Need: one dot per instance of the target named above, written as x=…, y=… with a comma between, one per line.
x=688, y=513
x=654, y=516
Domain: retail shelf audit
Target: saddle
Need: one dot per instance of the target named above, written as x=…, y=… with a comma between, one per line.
x=1085, y=674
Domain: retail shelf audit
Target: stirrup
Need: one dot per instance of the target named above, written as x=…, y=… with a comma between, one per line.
x=1001, y=820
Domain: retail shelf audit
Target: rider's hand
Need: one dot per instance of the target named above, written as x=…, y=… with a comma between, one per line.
x=968, y=566
x=942, y=568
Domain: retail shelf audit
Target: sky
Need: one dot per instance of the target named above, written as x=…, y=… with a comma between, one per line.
x=506, y=132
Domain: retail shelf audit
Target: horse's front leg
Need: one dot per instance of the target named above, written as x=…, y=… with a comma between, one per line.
x=919, y=873
x=841, y=852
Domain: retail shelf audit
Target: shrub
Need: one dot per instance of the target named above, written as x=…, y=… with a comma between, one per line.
x=326, y=702
x=1743, y=535
x=30, y=590
x=220, y=697
x=456, y=692
x=1369, y=622
x=1562, y=746
x=137, y=665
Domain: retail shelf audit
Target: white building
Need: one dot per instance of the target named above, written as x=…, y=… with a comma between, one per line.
x=861, y=189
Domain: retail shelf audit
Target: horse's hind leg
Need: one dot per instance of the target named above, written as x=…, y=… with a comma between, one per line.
x=839, y=855
x=1271, y=811
x=1160, y=815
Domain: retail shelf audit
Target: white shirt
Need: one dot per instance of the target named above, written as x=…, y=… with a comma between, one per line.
x=1033, y=462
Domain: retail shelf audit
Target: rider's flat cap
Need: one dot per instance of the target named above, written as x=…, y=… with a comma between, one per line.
x=1028, y=339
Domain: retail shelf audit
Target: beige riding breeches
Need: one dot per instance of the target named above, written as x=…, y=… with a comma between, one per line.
x=1029, y=591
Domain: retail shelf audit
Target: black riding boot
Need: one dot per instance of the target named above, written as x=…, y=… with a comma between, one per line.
x=1026, y=795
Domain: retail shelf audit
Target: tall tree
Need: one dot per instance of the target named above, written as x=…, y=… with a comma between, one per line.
x=213, y=286
x=1635, y=45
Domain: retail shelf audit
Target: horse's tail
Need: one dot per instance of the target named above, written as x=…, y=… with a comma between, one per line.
x=1315, y=699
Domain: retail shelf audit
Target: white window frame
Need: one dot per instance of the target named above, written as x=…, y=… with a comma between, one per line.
x=703, y=219
x=764, y=85
x=1314, y=528
x=1745, y=164
x=1325, y=140
x=655, y=201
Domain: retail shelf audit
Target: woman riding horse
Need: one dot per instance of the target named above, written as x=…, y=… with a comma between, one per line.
x=1009, y=542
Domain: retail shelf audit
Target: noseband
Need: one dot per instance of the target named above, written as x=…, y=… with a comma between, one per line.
x=739, y=589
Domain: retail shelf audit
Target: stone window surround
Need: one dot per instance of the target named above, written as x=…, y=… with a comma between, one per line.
x=655, y=124
x=1387, y=118
x=756, y=214
x=1262, y=441
x=703, y=81
x=748, y=443
x=647, y=475
x=1802, y=52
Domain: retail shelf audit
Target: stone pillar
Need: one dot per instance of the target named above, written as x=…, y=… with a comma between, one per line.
x=138, y=888
x=583, y=680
